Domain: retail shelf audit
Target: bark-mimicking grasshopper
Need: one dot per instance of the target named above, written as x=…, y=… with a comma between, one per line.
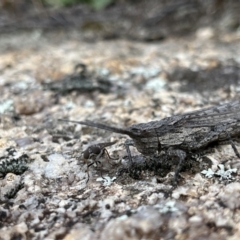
x=181, y=133
x=95, y=152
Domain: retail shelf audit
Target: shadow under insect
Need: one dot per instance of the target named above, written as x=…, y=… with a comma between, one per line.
x=160, y=165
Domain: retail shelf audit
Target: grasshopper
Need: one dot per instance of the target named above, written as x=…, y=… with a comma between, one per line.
x=179, y=134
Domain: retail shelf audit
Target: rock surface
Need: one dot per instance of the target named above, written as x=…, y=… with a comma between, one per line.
x=44, y=190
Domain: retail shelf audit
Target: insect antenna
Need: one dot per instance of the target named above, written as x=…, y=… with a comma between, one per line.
x=101, y=126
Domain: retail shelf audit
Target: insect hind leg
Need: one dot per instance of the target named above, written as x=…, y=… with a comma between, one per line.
x=230, y=140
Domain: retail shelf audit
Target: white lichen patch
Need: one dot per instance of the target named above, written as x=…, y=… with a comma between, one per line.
x=208, y=173
x=224, y=174
x=169, y=206
x=106, y=180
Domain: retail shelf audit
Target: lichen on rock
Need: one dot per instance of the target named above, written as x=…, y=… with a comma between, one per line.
x=13, y=162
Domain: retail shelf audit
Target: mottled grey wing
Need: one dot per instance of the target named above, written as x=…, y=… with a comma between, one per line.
x=208, y=117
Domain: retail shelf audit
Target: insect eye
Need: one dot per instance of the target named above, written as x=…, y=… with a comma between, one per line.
x=136, y=130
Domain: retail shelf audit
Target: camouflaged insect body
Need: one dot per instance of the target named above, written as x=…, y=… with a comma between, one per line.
x=181, y=134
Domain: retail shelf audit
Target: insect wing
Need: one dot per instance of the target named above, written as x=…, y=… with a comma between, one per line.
x=106, y=144
x=212, y=116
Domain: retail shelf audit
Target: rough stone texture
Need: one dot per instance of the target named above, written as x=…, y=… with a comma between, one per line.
x=50, y=197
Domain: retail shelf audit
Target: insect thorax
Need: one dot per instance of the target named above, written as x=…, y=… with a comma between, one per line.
x=147, y=146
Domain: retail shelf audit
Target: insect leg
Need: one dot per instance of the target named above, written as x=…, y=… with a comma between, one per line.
x=108, y=157
x=233, y=145
x=128, y=143
x=89, y=165
x=181, y=155
x=98, y=162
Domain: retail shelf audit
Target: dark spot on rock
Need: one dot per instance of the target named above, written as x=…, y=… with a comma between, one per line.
x=107, y=206
x=3, y=215
x=17, y=236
